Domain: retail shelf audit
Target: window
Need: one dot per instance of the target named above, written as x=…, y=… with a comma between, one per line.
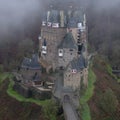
x=61, y=68
x=44, y=49
x=60, y=52
x=71, y=49
x=74, y=71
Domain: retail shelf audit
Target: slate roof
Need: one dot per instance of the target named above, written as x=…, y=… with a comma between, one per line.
x=31, y=63
x=72, y=23
x=44, y=17
x=54, y=16
x=68, y=42
x=78, y=63
x=77, y=16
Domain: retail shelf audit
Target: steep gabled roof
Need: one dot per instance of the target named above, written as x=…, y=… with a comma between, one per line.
x=54, y=16
x=78, y=63
x=31, y=63
x=44, y=17
x=72, y=23
x=68, y=42
x=76, y=17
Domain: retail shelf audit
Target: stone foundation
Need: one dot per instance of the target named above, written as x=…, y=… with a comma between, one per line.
x=31, y=92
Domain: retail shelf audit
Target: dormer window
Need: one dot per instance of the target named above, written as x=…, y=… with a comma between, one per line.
x=81, y=27
x=49, y=24
x=43, y=23
x=55, y=25
x=60, y=52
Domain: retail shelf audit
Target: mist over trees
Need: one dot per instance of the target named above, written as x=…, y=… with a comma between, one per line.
x=103, y=20
x=104, y=31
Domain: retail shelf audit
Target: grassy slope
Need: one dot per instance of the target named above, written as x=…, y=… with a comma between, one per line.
x=104, y=80
x=27, y=103
x=12, y=109
x=20, y=98
x=49, y=107
x=88, y=94
x=3, y=76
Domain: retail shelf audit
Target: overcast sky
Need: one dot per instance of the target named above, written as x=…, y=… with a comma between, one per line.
x=106, y=4
x=13, y=12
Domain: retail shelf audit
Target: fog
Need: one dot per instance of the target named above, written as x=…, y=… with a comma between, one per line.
x=20, y=13
x=102, y=4
x=107, y=3
x=17, y=13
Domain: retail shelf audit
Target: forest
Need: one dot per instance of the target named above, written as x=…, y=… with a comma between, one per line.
x=19, y=31
x=103, y=31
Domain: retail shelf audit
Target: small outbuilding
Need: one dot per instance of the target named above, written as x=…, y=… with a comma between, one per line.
x=31, y=69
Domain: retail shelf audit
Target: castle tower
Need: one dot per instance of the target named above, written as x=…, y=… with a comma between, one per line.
x=56, y=25
x=52, y=33
x=68, y=48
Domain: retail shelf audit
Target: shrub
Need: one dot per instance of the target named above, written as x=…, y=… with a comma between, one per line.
x=108, y=101
x=50, y=110
x=1, y=68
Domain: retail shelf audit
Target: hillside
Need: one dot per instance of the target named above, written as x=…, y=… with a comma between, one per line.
x=104, y=29
x=103, y=83
x=11, y=109
x=103, y=37
x=16, y=107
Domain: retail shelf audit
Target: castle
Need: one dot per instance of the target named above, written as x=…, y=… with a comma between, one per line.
x=63, y=44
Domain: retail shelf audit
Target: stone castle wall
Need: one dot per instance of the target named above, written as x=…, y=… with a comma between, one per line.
x=72, y=80
x=68, y=56
x=31, y=92
x=53, y=37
